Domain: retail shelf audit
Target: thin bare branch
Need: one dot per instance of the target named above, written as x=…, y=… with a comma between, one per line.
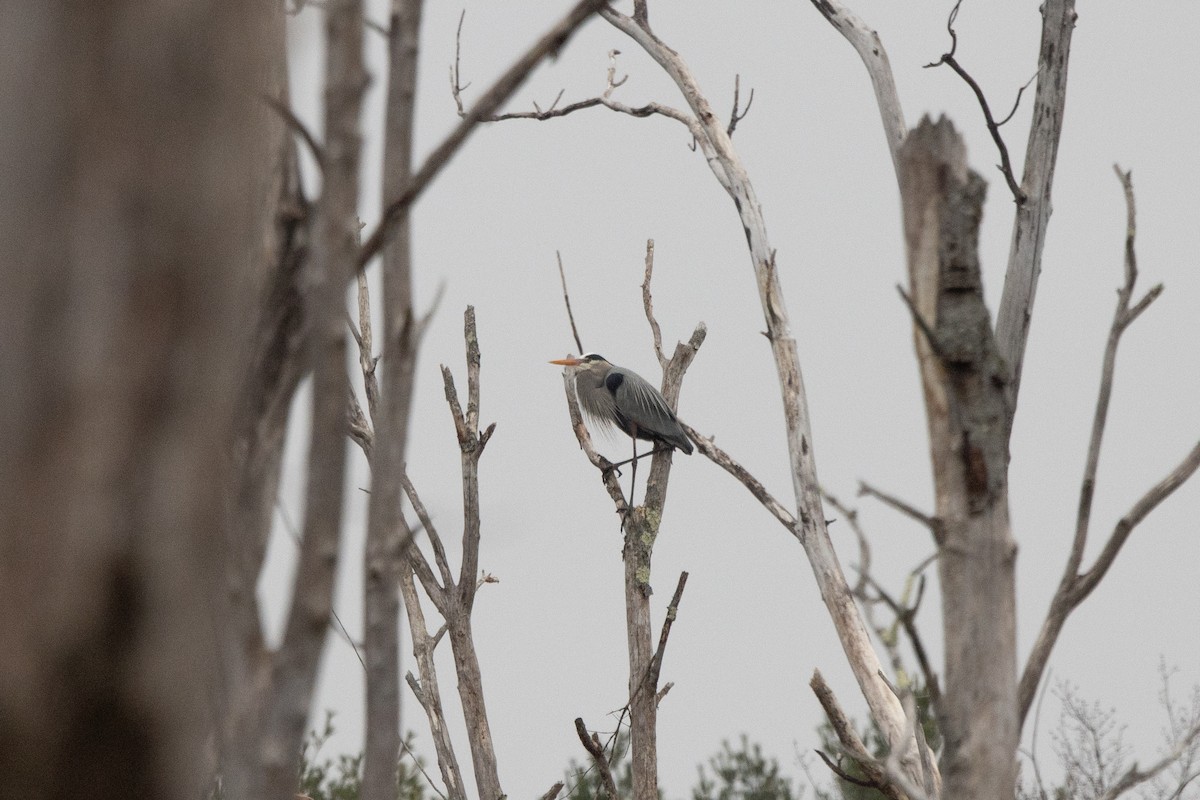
x=591, y=743
x=726, y=462
x=562, y=276
x=1135, y=776
x=358, y=426
x=1017, y=102
x=439, y=550
x=1075, y=586
x=906, y=616
x=650, y=682
x=456, y=88
x=1161, y=491
x=850, y=741
x=734, y=116
x=648, y=305
x=846, y=776
x=365, y=340
x=504, y=87
x=297, y=125
x=891, y=501
x=866, y=42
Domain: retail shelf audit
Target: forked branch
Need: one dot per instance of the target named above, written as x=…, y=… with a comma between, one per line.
x=1077, y=584
x=504, y=87
x=993, y=126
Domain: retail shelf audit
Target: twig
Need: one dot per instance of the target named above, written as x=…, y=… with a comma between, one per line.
x=906, y=616
x=567, y=300
x=1135, y=776
x=417, y=763
x=366, y=361
x=339, y=626
x=1017, y=102
x=655, y=666
x=993, y=127
x=298, y=126
x=357, y=425
x=553, y=791
x=922, y=323
x=865, y=489
x=439, y=551
x=734, y=116
x=864, y=546
x=611, y=82
x=846, y=776
x=457, y=89
x=552, y=42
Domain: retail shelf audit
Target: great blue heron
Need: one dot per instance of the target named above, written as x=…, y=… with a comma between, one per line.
x=613, y=396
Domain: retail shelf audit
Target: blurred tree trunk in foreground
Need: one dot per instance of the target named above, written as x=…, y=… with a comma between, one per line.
x=129, y=153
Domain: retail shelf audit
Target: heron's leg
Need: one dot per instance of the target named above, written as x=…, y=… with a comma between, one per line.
x=633, y=476
x=653, y=452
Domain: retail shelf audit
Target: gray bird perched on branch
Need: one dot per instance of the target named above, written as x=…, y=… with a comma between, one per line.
x=613, y=396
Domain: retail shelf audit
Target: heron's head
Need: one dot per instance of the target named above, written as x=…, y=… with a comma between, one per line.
x=588, y=362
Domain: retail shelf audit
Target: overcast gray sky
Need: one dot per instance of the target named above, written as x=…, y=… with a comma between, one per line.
x=596, y=186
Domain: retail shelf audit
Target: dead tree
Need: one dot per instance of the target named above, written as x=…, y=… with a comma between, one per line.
x=640, y=527
x=971, y=377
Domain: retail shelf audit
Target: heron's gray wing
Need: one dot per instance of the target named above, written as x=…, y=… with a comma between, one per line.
x=639, y=402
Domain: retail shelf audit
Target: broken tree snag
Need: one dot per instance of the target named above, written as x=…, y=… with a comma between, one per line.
x=968, y=410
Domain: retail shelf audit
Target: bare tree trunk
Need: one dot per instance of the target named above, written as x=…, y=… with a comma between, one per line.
x=643, y=710
x=132, y=213
x=968, y=406
x=294, y=664
x=470, y=694
x=381, y=600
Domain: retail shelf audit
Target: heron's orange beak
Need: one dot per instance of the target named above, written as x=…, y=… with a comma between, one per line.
x=567, y=362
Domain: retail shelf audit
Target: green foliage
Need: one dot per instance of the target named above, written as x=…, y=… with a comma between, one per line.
x=732, y=774
x=341, y=779
x=742, y=774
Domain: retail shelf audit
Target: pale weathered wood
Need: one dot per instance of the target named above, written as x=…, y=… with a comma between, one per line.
x=968, y=409
x=1033, y=216
x=866, y=42
x=727, y=167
